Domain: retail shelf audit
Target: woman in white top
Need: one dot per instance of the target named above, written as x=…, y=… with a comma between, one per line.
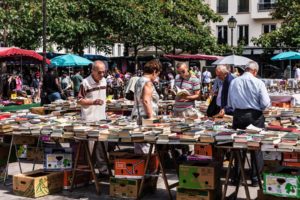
x=146, y=99
x=145, y=96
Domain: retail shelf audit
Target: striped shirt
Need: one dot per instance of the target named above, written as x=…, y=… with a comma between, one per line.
x=192, y=84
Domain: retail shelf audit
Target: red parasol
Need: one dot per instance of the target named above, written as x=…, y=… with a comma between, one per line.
x=9, y=53
x=192, y=57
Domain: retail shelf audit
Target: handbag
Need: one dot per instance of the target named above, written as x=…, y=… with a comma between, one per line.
x=213, y=108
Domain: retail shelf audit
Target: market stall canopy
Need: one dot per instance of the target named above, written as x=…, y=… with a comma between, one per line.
x=233, y=60
x=69, y=60
x=289, y=55
x=13, y=53
x=192, y=57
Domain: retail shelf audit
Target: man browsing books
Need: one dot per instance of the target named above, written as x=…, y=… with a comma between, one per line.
x=189, y=90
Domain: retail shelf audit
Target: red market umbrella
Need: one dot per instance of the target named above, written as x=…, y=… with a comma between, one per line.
x=11, y=53
x=192, y=57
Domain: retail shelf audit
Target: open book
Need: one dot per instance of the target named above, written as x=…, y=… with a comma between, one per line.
x=181, y=92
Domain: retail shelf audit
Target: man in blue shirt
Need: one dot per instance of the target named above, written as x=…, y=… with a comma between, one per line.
x=248, y=97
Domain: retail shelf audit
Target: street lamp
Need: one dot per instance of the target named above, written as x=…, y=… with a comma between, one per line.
x=232, y=24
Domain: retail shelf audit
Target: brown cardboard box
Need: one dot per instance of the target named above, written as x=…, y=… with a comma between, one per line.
x=35, y=154
x=38, y=110
x=198, y=177
x=186, y=194
x=82, y=178
x=128, y=188
x=37, y=183
x=21, y=139
x=271, y=165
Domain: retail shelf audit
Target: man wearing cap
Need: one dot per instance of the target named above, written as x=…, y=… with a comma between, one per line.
x=248, y=97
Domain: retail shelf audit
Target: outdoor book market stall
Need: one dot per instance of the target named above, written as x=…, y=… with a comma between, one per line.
x=131, y=174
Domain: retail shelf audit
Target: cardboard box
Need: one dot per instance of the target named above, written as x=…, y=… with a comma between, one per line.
x=291, y=164
x=271, y=165
x=128, y=188
x=58, y=158
x=272, y=155
x=35, y=154
x=197, y=177
x=291, y=157
x=82, y=179
x=284, y=184
x=37, y=183
x=134, y=166
x=186, y=194
x=262, y=196
x=38, y=110
x=203, y=149
x=24, y=139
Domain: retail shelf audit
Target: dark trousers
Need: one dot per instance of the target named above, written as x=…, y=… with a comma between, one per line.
x=243, y=118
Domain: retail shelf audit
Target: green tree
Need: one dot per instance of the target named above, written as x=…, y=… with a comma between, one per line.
x=288, y=34
x=20, y=24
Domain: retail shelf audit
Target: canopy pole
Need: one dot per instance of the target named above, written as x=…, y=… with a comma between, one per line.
x=21, y=65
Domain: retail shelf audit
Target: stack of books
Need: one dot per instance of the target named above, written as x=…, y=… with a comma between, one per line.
x=288, y=142
x=241, y=140
x=5, y=128
x=208, y=136
x=224, y=137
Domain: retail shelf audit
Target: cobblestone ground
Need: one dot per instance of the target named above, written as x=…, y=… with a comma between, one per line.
x=89, y=192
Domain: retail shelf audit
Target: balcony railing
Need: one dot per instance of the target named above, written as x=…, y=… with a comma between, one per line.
x=266, y=6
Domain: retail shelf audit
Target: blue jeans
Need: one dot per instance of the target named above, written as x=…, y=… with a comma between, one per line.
x=54, y=96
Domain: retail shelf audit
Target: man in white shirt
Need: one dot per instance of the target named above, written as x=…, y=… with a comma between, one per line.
x=297, y=73
x=92, y=97
x=92, y=94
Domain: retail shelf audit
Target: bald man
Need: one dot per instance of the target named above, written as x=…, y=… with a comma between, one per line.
x=92, y=94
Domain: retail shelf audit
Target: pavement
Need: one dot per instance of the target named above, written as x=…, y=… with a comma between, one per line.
x=89, y=192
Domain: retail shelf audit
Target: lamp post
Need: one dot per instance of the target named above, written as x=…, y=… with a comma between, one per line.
x=231, y=24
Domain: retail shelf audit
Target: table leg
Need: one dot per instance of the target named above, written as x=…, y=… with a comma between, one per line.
x=8, y=159
x=252, y=152
x=102, y=146
x=174, y=160
x=74, y=174
x=227, y=175
x=164, y=174
x=91, y=165
x=243, y=174
x=145, y=171
x=36, y=150
x=244, y=157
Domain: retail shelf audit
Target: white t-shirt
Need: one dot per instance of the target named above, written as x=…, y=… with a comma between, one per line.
x=89, y=89
x=297, y=74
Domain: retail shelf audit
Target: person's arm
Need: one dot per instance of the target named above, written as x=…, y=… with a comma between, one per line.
x=196, y=89
x=58, y=84
x=265, y=100
x=193, y=97
x=87, y=102
x=147, y=98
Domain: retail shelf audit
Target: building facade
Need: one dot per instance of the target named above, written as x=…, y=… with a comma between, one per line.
x=252, y=16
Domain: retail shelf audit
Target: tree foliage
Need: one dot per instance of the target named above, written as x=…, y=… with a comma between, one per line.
x=288, y=34
x=75, y=25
